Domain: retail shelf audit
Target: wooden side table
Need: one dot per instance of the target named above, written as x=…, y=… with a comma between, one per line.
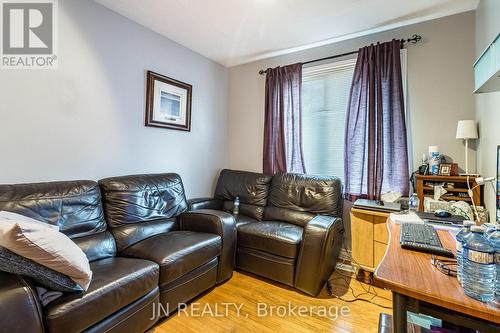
x=369, y=237
x=458, y=193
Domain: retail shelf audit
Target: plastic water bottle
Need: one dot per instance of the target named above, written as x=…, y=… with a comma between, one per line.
x=479, y=272
x=489, y=228
x=460, y=240
x=494, y=239
x=236, y=206
x=434, y=160
x=413, y=203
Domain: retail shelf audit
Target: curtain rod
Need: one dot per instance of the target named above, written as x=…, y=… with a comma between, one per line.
x=413, y=40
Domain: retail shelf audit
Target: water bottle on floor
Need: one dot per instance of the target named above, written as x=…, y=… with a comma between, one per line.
x=460, y=240
x=494, y=239
x=478, y=277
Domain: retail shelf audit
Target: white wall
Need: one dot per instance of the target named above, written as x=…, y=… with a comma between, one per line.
x=85, y=120
x=440, y=84
x=488, y=104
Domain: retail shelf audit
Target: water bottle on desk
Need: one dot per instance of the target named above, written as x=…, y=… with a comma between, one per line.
x=413, y=203
x=479, y=273
x=434, y=160
x=236, y=206
x=494, y=239
x=461, y=237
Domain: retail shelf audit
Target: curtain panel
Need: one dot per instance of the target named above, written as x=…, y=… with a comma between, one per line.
x=376, y=153
x=283, y=120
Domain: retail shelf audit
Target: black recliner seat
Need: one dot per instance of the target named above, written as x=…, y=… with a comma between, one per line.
x=295, y=237
x=147, y=216
x=122, y=290
x=252, y=189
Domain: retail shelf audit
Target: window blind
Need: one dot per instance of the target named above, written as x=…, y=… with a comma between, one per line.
x=325, y=95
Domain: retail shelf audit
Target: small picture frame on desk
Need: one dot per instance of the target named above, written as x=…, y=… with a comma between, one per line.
x=445, y=169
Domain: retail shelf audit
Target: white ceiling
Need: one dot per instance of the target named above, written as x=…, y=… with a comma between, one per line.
x=233, y=32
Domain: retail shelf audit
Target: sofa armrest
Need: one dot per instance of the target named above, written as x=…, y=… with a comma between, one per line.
x=19, y=305
x=204, y=203
x=319, y=251
x=219, y=223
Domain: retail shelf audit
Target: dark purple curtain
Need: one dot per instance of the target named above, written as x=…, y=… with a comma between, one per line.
x=376, y=153
x=283, y=121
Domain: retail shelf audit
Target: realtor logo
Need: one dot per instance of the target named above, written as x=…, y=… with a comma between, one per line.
x=28, y=34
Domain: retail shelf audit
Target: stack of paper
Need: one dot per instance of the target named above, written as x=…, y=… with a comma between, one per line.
x=409, y=217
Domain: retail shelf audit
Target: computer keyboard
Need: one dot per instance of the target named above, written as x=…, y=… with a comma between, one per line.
x=423, y=238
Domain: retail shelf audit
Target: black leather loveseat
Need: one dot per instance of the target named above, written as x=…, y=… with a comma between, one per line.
x=289, y=226
x=142, y=245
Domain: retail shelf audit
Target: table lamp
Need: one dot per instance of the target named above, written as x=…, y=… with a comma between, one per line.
x=466, y=130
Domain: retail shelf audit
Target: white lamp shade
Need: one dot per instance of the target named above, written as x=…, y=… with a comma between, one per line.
x=466, y=129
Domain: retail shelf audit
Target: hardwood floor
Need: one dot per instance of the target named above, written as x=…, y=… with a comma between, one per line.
x=255, y=297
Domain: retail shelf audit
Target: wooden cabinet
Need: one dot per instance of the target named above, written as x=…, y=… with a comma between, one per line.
x=457, y=193
x=369, y=237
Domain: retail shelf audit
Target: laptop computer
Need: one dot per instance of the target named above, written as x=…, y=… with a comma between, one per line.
x=380, y=206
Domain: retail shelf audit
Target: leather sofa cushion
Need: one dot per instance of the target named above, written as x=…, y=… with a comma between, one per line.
x=141, y=198
x=129, y=234
x=116, y=283
x=251, y=187
x=134, y=318
x=243, y=219
x=314, y=195
x=177, y=252
x=74, y=206
x=278, y=238
x=97, y=246
x=283, y=214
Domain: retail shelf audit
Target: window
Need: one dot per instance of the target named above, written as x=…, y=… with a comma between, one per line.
x=325, y=95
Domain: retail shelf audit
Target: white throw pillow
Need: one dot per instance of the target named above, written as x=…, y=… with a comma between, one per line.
x=4, y=215
x=46, y=246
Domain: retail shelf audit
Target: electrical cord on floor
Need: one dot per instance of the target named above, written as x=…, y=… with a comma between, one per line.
x=371, y=291
x=356, y=297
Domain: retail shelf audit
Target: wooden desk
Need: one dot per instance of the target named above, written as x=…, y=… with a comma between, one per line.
x=419, y=287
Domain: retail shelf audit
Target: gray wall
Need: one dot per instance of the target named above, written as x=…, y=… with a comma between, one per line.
x=440, y=82
x=488, y=105
x=85, y=120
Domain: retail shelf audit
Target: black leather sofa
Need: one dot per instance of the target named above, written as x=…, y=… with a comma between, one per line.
x=142, y=244
x=289, y=226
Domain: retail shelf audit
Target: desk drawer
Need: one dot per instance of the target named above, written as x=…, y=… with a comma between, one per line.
x=380, y=233
x=378, y=252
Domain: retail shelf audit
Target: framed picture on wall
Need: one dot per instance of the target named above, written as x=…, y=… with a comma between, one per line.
x=168, y=102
